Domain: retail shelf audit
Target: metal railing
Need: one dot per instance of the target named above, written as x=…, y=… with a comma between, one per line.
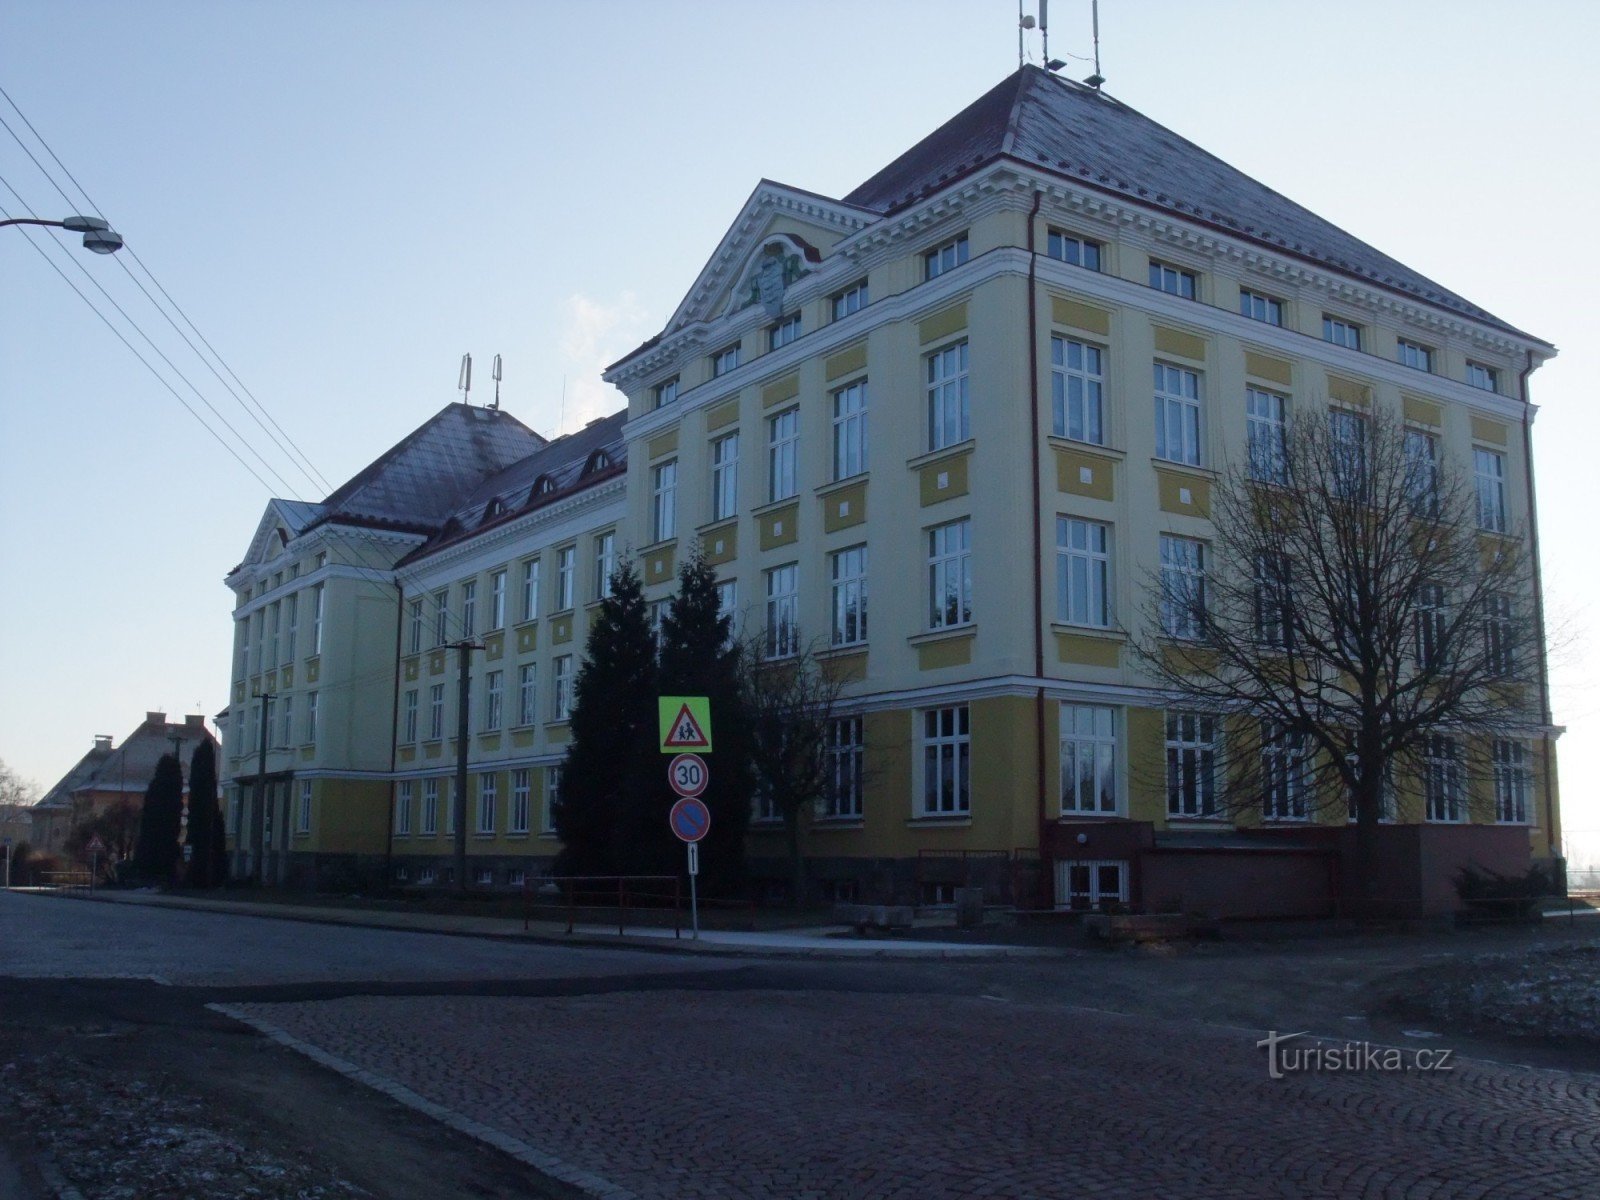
x=575, y=894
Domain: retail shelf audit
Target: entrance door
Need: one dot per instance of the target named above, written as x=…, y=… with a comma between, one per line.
x=1091, y=884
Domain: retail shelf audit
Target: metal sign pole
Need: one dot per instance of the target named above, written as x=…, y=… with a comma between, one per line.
x=8, y=864
x=694, y=900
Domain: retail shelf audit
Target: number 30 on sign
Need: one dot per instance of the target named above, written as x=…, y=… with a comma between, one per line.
x=687, y=774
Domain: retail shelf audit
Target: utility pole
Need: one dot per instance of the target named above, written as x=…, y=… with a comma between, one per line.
x=257, y=824
x=463, y=698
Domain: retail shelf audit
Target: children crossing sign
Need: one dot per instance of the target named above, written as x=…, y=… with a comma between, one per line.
x=685, y=724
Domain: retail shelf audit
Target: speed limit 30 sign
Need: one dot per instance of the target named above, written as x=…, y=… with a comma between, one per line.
x=687, y=775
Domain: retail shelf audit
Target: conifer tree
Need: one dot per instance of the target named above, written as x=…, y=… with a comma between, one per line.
x=205, y=829
x=160, y=821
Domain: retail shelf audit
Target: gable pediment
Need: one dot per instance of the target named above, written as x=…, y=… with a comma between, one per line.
x=281, y=523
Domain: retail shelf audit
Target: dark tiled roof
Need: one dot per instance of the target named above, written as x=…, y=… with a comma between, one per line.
x=130, y=766
x=570, y=463
x=1081, y=134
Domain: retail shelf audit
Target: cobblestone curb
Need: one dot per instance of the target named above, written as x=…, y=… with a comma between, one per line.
x=549, y=1164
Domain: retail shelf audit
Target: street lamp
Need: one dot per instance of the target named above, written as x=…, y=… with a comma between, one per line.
x=97, y=235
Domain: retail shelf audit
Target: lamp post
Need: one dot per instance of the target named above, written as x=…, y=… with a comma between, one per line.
x=97, y=235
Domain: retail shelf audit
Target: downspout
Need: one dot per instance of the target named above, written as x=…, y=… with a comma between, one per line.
x=1538, y=602
x=394, y=716
x=1038, y=533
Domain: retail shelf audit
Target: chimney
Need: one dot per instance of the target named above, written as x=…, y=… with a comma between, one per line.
x=195, y=720
x=155, y=718
x=102, y=742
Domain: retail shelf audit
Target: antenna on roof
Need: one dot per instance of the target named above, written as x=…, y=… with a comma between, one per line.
x=1096, y=79
x=496, y=375
x=464, y=382
x=1044, y=29
x=1024, y=23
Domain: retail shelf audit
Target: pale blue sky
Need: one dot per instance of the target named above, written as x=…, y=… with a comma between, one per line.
x=345, y=195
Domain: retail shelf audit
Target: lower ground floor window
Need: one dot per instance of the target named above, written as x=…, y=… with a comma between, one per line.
x=1089, y=884
x=303, y=817
x=485, y=876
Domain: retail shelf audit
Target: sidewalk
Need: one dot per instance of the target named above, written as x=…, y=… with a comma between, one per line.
x=778, y=943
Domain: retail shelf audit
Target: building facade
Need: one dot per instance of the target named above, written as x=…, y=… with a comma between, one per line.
x=913, y=427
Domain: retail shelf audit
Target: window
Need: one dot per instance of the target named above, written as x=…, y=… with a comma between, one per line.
x=1095, y=884
x=1088, y=759
x=527, y=693
x=950, y=574
x=1441, y=779
x=725, y=477
x=497, y=600
x=850, y=430
x=1274, y=601
x=1422, y=472
x=656, y=616
x=402, y=808
x=727, y=598
x=1348, y=432
x=724, y=361
x=521, y=790
x=544, y=486
x=784, y=332
x=1414, y=354
x=494, y=689
x=1177, y=414
x=469, y=608
x=1183, y=587
x=1165, y=277
x=852, y=299
x=322, y=560
x=1513, y=781
x=409, y=721
x=946, y=761
x=316, y=621
x=1480, y=376
x=414, y=639
x=663, y=501
x=949, y=421
x=261, y=634
x=1083, y=572
x=436, y=712
x=441, y=618
x=1077, y=384
x=242, y=633
x=1264, y=417
x=562, y=699
x=1499, y=636
x=1260, y=308
x=665, y=393
x=552, y=798
x=273, y=615
x=488, y=800
x=783, y=443
x=605, y=563
x=1490, y=468
x=311, y=717
x=430, y=806
x=286, y=726
x=302, y=822
x=1070, y=248
x=850, y=596
x=530, y=589
x=845, y=755
x=944, y=258
x=566, y=562
x=1432, y=625
x=453, y=797
x=292, y=623
x=1191, y=765
x=1341, y=332
x=783, y=616
x=1284, y=771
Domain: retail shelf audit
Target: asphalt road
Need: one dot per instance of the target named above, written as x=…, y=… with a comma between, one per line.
x=628, y=1074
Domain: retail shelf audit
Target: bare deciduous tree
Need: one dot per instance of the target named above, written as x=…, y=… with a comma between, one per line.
x=1361, y=611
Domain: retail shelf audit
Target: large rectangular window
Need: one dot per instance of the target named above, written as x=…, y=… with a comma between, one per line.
x=946, y=761
x=1348, y=433
x=566, y=564
x=1088, y=759
x=1285, y=770
x=944, y=257
x=850, y=430
x=430, y=807
x=414, y=640
x=1422, y=472
x=1513, y=781
x=530, y=589
x=1414, y=354
x=850, y=596
x=949, y=420
x=302, y=822
x=1273, y=599
x=497, y=600
x=1265, y=424
x=725, y=360
x=1177, y=394
x=1341, y=332
x=784, y=332
x=1083, y=572
x=605, y=563
x=527, y=693
x=1432, y=624
x=845, y=757
x=273, y=616
x=494, y=695
x=311, y=717
x=521, y=791
x=1077, y=390
x=665, y=392
x=1071, y=248
x=1191, y=765
x=488, y=801
x=1183, y=587
x=783, y=611
x=562, y=698
x=436, y=712
x=469, y=608
x=664, y=501
x=1480, y=376
x=552, y=798
x=852, y=299
x=292, y=627
x=441, y=617
x=316, y=620
x=950, y=574
x=783, y=452
x=1176, y=281
x=1499, y=636
x=409, y=723
x=404, y=800
x=1442, y=792
x=1489, y=467
x=725, y=477
x=1259, y=307
x=286, y=717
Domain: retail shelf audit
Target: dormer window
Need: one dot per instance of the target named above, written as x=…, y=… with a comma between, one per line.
x=493, y=509
x=665, y=392
x=543, y=486
x=598, y=461
x=724, y=361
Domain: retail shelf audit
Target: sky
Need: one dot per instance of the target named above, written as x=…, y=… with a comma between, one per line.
x=344, y=196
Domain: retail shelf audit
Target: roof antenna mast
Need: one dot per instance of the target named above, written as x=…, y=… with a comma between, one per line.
x=496, y=374
x=1024, y=23
x=464, y=382
x=1096, y=79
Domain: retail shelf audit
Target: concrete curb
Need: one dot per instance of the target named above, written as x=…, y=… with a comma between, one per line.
x=367, y=919
x=547, y=1164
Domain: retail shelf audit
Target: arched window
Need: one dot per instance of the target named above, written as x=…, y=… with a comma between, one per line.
x=598, y=461
x=543, y=486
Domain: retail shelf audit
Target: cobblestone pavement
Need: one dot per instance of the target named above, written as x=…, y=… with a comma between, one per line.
x=710, y=1094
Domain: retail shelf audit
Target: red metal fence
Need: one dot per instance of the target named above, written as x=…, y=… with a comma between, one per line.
x=570, y=895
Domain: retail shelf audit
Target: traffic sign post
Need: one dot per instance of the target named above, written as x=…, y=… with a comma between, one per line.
x=690, y=820
x=685, y=723
x=687, y=775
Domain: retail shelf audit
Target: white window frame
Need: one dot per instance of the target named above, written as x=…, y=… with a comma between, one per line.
x=402, y=808
x=274, y=615
x=1267, y=430
x=1192, y=759
x=1183, y=586
x=950, y=574
x=949, y=396
x=497, y=600
x=945, y=738
x=945, y=257
x=488, y=801
x=1174, y=280
x=291, y=627
x=415, y=638
x=664, y=393
x=1414, y=355
x=527, y=693
x=441, y=616
x=1432, y=623
x=1259, y=306
x=1482, y=376
x=566, y=569
x=782, y=332
x=302, y=823
x=853, y=299
x=530, y=589
x=430, y=807
x=436, y=712
x=783, y=454
x=850, y=429
x=725, y=476
x=316, y=620
x=1075, y=249
x=846, y=749
x=1083, y=572
x=1180, y=422
x=1337, y=331
x=552, y=796
x=1422, y=471
x=494, y=693
x=725, y=360
x=1088, y=766
x=561, y=693
x=783, y=611
x=1489, y=473
x=664, y=501
x=1096, y=896
x=605, y=562
x=1077, y=390
x=848, y=568
x=311, y=717
x=521, y=801
x=408, y=720
x=1348, y=433
x=1512, y=764
x=1443, y=788
x=1499, y=635
x=1285, y=773
x=469, y=608
x=286, y=722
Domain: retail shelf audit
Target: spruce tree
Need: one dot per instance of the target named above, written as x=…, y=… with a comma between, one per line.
x=699, y=657
x=205, y=818
x=160, y=821
x=614, y=765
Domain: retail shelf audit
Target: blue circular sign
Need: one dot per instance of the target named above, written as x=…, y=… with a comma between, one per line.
x=690, y=819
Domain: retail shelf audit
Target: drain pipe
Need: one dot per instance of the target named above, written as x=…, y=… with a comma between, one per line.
x=1038, y=533
x=1538, y=602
